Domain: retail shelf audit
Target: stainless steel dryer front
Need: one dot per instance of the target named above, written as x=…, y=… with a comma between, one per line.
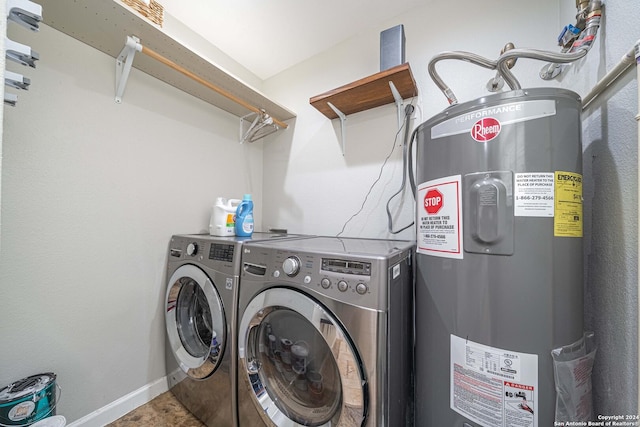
x=200, y=316
x=324, y=335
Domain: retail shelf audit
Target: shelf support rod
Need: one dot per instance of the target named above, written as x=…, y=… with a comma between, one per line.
x=124, y=61
x=399, y=104
x=343, y=119
x=192, y=76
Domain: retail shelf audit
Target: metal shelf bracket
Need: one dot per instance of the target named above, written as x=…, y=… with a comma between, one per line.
x=10, y=99
x=25, y=13
x=399, y=103
x=124, y=61
x=343, y=119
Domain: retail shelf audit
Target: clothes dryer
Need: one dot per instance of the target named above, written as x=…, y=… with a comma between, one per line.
x=324, y=333
x=200, y=301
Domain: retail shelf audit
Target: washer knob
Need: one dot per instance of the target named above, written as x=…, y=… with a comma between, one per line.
x=343, y=286
x=325, y=283
x=291, y=266
x=361, y=288
x=192, y=249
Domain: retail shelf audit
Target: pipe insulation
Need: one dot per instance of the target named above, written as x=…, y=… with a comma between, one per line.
x=627, y=60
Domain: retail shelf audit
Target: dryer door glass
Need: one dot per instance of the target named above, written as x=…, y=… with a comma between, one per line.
x=195, y=322
x=299, y=363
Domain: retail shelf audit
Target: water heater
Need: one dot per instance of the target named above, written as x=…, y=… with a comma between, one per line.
x=499, y=279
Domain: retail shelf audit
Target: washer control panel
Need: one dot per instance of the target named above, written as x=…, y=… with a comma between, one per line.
x=291, y=266
x=219, y=254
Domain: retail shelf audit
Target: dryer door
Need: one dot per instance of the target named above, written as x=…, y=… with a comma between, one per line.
x=298, y=362
x=195, y=320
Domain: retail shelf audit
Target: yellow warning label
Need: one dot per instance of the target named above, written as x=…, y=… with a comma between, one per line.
x=567, y=220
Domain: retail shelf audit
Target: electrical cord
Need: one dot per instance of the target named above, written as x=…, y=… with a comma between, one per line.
x=366, y=197
x=405, y=156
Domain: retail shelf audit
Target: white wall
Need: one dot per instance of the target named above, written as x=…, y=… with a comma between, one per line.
x=91, y=190
x=611, y=210
x=310, y=187
x=91, y=193
x=3, y=30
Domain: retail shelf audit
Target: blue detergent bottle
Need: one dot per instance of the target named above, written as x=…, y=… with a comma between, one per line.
x=244, y=217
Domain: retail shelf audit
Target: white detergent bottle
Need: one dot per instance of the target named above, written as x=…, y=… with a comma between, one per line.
x=223, y=217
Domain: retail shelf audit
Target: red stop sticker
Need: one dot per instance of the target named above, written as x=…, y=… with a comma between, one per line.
x=433, y=201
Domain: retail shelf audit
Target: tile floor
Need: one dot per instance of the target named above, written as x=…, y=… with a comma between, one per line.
x=163, y=411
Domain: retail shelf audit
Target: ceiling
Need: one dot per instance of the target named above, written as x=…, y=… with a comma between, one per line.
x=269, y=36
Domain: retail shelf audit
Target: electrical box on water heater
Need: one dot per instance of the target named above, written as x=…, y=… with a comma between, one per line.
x=499, y=279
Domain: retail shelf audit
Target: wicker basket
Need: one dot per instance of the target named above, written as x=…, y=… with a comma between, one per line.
x=152, y=11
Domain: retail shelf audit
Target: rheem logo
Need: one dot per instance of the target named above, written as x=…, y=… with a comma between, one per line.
x=433, y=202
x=485, y=129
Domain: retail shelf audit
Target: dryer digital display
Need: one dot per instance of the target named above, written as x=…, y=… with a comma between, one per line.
x=346, y=267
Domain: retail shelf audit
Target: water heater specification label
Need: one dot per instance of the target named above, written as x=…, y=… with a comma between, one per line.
x=492, y=386
x=568, y=205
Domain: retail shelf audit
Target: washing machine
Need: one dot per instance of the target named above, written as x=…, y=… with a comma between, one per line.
x=201, y=297
x=324, y=333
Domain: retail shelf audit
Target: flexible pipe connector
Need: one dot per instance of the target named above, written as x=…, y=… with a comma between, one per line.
x=588, y=21
x=542, y=55
x=578, y=50
x=460, y=55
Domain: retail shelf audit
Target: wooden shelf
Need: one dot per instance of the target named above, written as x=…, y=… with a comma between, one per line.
x=105, y=25
x=366, y=93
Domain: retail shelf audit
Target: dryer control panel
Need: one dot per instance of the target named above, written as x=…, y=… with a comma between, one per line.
x=346, y=266
x=355, y=280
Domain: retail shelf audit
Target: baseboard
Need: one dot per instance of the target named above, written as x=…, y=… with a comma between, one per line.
x=125, y=404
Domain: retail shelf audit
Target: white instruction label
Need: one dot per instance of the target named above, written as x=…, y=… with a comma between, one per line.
x=493, y=387
x=533, y=194
x=439, y=217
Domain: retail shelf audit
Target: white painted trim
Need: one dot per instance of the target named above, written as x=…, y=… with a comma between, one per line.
x=122, y=406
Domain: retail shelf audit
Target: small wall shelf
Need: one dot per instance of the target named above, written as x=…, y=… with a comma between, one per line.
x=366, y=93
x=385, y=87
